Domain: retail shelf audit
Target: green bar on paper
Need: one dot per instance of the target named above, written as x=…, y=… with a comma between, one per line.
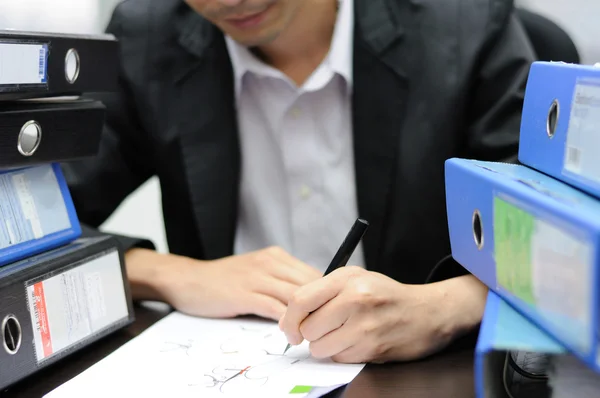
x=301, y=390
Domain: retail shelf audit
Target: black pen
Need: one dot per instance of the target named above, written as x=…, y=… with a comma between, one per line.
x=345, y=251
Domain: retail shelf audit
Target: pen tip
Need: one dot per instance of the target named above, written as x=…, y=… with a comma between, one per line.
x=287, y=348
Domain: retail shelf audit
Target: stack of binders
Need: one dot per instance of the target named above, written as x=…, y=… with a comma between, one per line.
x=59, y=291
x=531, y=233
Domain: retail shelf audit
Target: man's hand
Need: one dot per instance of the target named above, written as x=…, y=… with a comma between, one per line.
x=357, y=316
x=259, y=283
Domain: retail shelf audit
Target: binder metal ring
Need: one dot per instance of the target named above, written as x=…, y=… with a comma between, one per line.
x=9, y=322
x=552, y=118
x=477, y=229
x=29, y=138
x=72, y=65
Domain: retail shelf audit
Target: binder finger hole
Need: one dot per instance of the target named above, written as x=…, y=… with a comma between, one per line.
x=477, y=229
x=11, y=334
x=552, y=119
x=72, y=65
x=29, y=138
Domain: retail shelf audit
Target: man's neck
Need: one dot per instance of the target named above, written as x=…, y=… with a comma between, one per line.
x=300, y=49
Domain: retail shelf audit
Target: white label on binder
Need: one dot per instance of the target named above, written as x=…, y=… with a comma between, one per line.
x=562, y=265
x=583, y=134
x=28, y=204
x=22, y=63
x=31, y=205
x=72, y=306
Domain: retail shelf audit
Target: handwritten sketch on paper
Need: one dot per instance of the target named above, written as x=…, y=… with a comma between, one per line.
x=193, y=357
x=250, y=357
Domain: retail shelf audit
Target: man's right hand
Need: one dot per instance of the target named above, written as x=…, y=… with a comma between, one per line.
x=258, y=283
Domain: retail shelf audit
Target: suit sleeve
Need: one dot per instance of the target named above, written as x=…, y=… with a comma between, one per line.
x=496, y=102
x=99, y=184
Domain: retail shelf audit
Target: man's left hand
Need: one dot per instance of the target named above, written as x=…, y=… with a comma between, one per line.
x=357, y=316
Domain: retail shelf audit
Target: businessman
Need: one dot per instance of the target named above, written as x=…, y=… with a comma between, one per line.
x=273, y=124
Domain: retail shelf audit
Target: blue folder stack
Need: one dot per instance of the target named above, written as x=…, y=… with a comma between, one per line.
x=531, y=231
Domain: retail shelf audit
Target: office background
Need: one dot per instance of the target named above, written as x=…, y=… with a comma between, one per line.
x=140, y=215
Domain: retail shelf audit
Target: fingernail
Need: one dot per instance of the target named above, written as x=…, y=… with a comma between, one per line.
x=290, y=339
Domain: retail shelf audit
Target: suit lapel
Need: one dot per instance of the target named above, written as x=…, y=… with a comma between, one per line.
x=382, y=64
x=203, y=105
x=206, y=126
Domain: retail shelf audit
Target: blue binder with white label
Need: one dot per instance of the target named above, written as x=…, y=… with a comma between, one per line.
x=36, y=212
x=560, y=127
x=532, y=239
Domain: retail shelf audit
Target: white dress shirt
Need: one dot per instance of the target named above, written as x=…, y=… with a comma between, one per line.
x=298, y=187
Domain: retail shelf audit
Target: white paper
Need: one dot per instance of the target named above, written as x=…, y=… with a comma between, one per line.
x=184, y=356
x=23, y=63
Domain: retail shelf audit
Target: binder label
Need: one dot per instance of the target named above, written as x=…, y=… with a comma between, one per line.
x=23, y=63
x=41, y=318
x=583, y=139
x=31, y=206
x=76, y=304
x=546, y=265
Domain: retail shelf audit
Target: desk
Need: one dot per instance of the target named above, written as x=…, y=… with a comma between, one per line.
x=448, y=375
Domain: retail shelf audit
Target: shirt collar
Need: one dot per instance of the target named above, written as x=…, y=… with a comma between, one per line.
x=339, y=58
x=342, y=44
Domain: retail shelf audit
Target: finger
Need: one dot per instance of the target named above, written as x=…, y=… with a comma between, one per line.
x=314, y=295
x=335, y=342
x=265, y=306
x=308, y=299
x=276, y=288
x=291, y=275
x=364, y=345
x=300, y=272
x=353, y=354
x=331, y=316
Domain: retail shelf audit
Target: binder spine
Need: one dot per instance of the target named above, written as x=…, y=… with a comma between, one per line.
x=35, y=133
x=534, y=241
x=42, y=65
x=484, y=346
x=55, y=303
x=560, y=127
x=37, y=211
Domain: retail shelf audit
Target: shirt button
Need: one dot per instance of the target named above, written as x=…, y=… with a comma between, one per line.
x=296, y=112
x=305, y=192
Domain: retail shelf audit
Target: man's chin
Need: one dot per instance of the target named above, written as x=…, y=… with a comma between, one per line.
x=255, y=40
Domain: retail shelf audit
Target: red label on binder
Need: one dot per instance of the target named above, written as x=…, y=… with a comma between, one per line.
x=41, y=316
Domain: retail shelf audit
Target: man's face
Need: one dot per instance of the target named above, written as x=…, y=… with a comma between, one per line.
x=249, y=22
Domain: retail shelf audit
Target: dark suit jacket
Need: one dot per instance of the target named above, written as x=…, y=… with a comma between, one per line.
x=433, y=79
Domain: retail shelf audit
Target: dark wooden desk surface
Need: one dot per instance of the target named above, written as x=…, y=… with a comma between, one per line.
x=447, y=375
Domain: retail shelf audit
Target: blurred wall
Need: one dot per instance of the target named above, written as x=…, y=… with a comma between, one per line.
x=72, y=16
x=579, y=18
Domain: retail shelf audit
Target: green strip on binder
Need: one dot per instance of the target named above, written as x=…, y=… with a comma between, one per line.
x=513, y=232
